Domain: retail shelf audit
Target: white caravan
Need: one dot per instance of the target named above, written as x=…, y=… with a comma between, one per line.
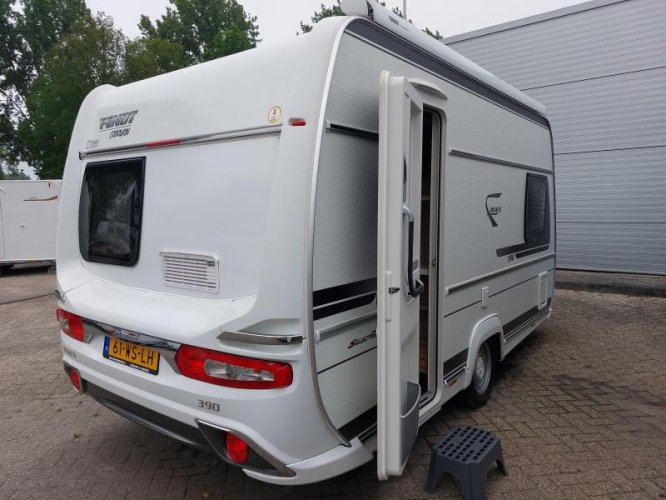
x=294, y=256
x=28, y=221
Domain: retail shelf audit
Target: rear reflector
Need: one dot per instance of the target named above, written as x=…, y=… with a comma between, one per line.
x=237, y=449
x=70, y=324
x=232, y=371
x=74, y=377
x=297, y=122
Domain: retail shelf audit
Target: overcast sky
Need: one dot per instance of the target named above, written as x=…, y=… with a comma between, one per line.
x=279, y=19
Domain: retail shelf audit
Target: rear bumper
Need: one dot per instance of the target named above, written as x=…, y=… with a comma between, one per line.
x=288, y=441
x=210, y=438
x=206, y=437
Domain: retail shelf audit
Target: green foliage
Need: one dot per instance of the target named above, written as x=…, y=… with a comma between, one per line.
x=12, y=173
x=89, y=56
x=204, y=29
x=27, y=31
x=147, y=56
x=40, y=27
x=54, y=52
x=436, y=34
x=334, y=10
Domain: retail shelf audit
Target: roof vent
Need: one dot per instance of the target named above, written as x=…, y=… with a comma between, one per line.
x=186, y=270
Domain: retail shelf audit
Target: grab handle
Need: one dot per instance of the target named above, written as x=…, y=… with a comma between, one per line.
x=415, y=289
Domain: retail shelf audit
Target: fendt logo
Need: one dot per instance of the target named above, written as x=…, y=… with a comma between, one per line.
x=493, y=208
x=119, y=124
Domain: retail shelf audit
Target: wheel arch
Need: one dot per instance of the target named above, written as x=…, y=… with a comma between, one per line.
x=487, y=328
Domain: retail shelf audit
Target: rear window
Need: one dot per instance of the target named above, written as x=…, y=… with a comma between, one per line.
x=110, y=211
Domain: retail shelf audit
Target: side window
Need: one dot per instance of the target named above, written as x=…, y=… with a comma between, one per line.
x=537, y=211
x=110, y=211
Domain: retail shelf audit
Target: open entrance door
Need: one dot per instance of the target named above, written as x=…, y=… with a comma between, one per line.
x=401, y=117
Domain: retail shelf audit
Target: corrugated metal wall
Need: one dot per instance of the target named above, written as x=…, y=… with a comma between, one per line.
x=600, y=68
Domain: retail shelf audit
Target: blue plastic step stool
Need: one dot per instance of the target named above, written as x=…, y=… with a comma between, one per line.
x=467, y=453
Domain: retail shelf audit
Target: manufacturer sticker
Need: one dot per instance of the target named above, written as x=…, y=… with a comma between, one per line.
x=274, y=115
x=118, y=125
x=493, y=208
x=362, y=340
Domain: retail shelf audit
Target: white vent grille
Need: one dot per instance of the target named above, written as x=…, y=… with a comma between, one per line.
x=185, y=270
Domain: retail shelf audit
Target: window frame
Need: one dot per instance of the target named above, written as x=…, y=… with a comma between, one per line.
x=135, y=165
x=545, y=239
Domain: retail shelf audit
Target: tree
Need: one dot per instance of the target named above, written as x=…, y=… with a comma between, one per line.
x=204, y=29
x=436, y=34
x=89, y=56
x=336, y=10
x=27, y=31
x=333, y=10
x=12, y=173
x=147, y=56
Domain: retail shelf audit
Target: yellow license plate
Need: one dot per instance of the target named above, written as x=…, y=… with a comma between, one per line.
x=137, y=356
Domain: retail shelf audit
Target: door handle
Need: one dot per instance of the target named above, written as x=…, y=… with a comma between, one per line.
x=415, y=289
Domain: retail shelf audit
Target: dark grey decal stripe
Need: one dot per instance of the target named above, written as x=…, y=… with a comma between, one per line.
x=521, y=250
x=531, y=251
x=360, y=424
x=523, y=319
x=347, y=129
x=346, y=305
x=341, y=292
x=387, y=40
x=454, y=362
x=347, y=359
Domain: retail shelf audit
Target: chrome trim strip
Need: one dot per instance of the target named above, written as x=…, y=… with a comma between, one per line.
x=187, y=141
x=497, y=161
x=493, y=274
x=166, y=348
x=345, y=299
x=308, y=285
x=364, y=435
x=454, y=373
x=328, y=330
x=280, y=467
x=259, y=338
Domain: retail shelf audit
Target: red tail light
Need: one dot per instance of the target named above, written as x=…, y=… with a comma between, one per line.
x=237, y=449
x=232, y=371
x=70, y=324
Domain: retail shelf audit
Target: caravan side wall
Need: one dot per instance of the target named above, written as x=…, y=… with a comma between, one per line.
x=28, y=220
x=345, y=245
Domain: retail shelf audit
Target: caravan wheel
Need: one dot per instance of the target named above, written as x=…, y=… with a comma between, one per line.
x=478, y=392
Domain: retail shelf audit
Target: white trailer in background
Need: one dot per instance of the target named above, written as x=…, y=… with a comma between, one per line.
x=294, y=256
x=28, y=221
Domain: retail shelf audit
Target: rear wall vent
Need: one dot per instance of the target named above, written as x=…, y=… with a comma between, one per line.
x=186, y=270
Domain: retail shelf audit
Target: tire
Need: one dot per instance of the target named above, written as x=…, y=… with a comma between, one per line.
x=4, y=268
x=478, y=392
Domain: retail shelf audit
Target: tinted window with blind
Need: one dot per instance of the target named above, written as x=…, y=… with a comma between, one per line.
x=110, y=211
x=537, y=211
